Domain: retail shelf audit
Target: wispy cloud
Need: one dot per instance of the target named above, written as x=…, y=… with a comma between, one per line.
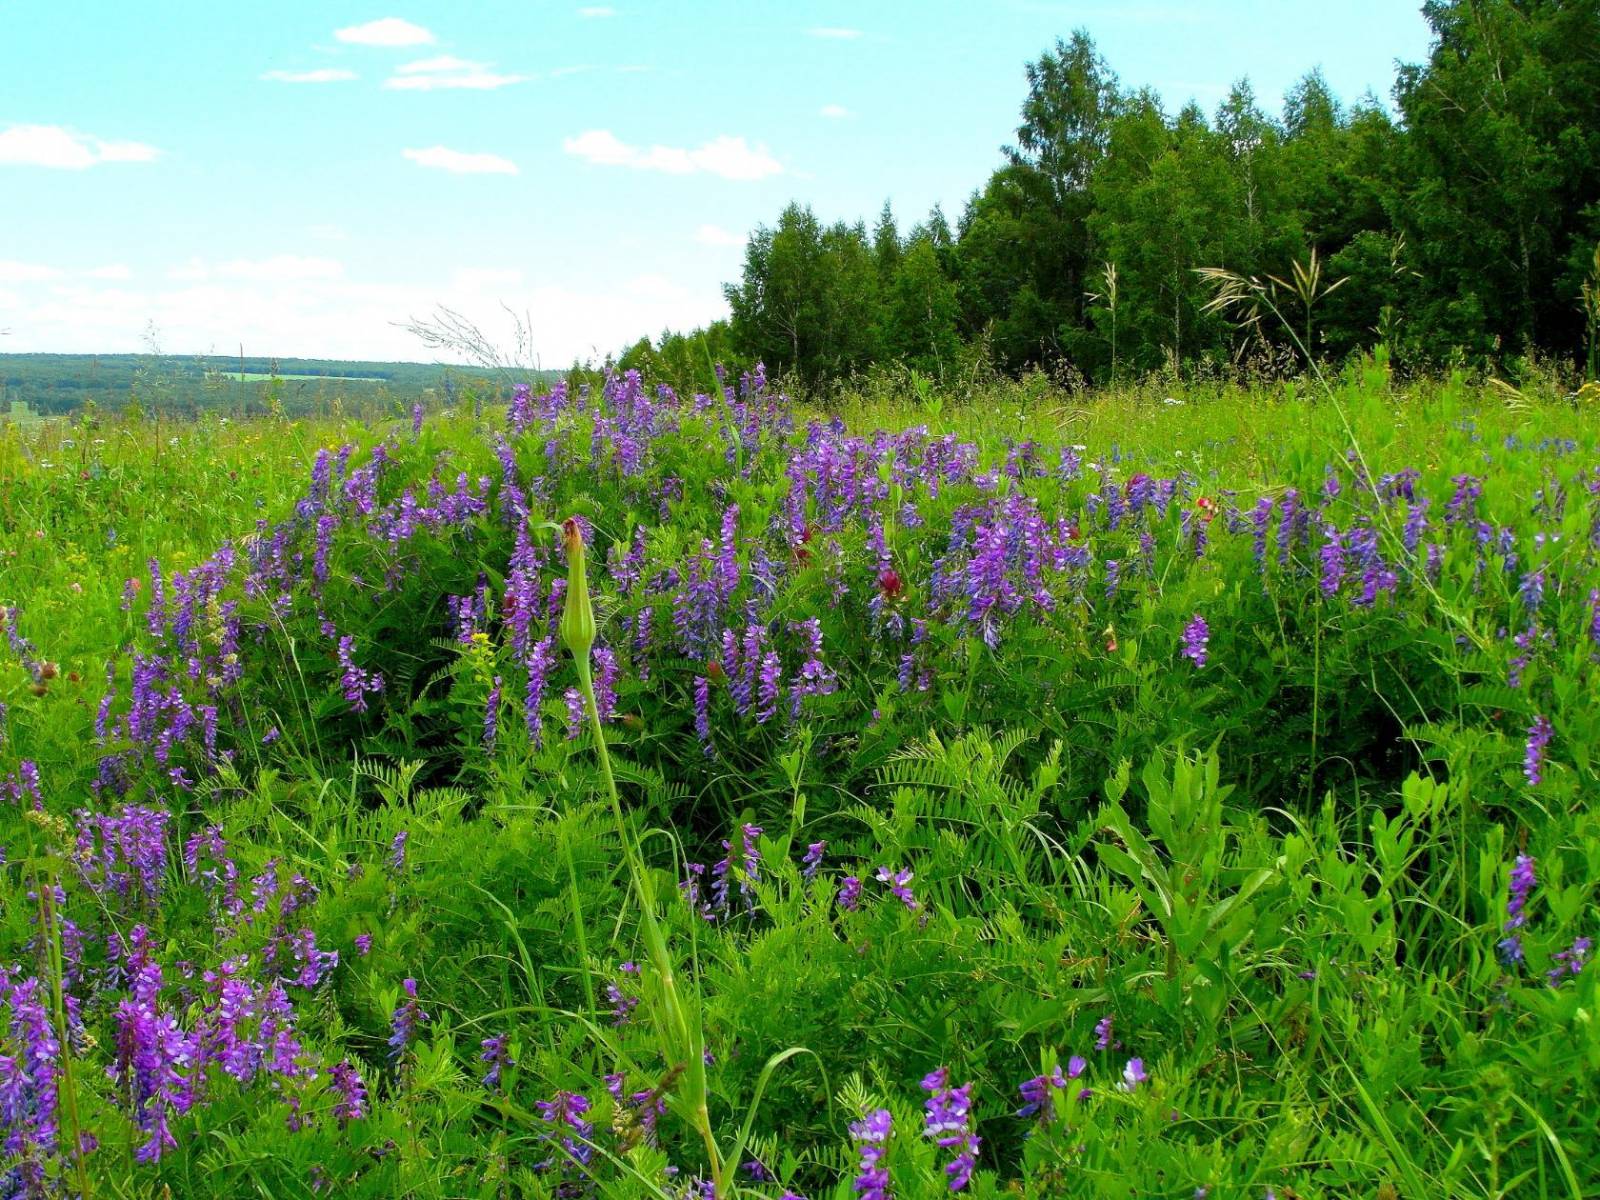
x=110, y=271
x=281, y=268
x=388, y=31
x=835, y=32
x=12, y=271
x=66, y=149
x=836, y=112
x=595, y=11
x=442, y=62
x=320, y=75
x=716, y=235
x=727, y=157
x=459, y=162
x=447, y=71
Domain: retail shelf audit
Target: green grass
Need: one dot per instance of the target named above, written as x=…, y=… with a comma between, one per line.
x=1281, y=875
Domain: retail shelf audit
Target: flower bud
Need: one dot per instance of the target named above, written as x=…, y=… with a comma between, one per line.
x=577, y=613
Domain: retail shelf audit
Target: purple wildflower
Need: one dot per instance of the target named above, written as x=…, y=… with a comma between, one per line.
x=1196, y=635
x=1539, y=735
x=900, y=884
x=812, y=860
x=497, y=1053
x=407, y=1017
x=850, y=893
x=397, y=852
x=1133, y=1074
x=949, y=1124
x=351, y=1104
x=871, y=1136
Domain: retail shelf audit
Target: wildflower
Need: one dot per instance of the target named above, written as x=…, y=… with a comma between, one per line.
x=622, y=1004
x=491, y=717
x=702, y=713
x=871, y=1135
x=812, y=860
x=566, y=1112
x=1103, y=1034
x=948, y=1122
x=351, y=1104
x=407, y=1017
x=1196, y=634
x=1523, y=881
x=900, y=884
x=1133, y=1074
x=1539, y=734
x=397, y=852
x=574, y=699
x=540, y=659
x=356, y=682
x=850, y=893
x=363, y=944
x=497, y=1053
x=1569, y=961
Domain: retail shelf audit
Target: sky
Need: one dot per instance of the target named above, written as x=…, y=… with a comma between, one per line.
x=302, y=179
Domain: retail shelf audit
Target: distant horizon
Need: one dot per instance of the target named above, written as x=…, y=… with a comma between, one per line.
x=318, y=180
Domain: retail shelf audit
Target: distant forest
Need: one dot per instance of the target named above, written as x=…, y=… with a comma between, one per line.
x=57, y=383
x=1460, y=228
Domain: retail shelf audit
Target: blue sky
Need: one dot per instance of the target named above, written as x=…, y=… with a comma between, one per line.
x=301, y=177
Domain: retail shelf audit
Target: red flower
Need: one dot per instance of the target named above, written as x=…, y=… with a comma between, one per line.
x=890, y=584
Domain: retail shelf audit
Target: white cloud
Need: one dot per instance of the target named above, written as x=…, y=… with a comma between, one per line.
x=12, y=271
x=320, y=75
x=716, y=235
x=110, y=271
x=282, y=268
x=485, y=279
x=835, y=33
x=348, y=317
x=443, y=62
x=597, y=10
x=459, y=162
x=389, y=31
x=482, y=81
x=728, y=157
x=448, y=71
x=834, y=111
x=65, y=149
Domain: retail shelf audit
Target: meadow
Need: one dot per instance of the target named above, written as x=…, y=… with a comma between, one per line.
x=1167, y=790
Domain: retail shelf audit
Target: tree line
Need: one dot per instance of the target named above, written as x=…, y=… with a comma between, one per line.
x=1461, y=227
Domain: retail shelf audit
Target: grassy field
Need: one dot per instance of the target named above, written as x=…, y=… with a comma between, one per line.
x=1168, y=791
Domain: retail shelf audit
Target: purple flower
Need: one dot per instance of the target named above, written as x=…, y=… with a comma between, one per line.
x=1104, y=1034
x=574, y=699
x=948, y=1123
x=397, y=852
x=1132, y=1075
x=702, y=713
x=622, y=1003
x=363, y=944
x=812, y=860
x=497, y=1053
x=900, y=884
x=566, y=1112
x=540, y=659
x=850, y=893
x=1523, y=881
x=491, y=717
x=407, y=1017
x=1539, y=734
x=356, y=682
x=1196, y=635
x=871, y=1135
x=1569, y=961
x=351, y=1092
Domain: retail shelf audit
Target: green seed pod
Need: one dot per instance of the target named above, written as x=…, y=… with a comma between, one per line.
x=577, y=613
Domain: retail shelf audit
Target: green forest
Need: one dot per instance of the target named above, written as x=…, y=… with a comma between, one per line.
x=1459, y=225
x=58, y=383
